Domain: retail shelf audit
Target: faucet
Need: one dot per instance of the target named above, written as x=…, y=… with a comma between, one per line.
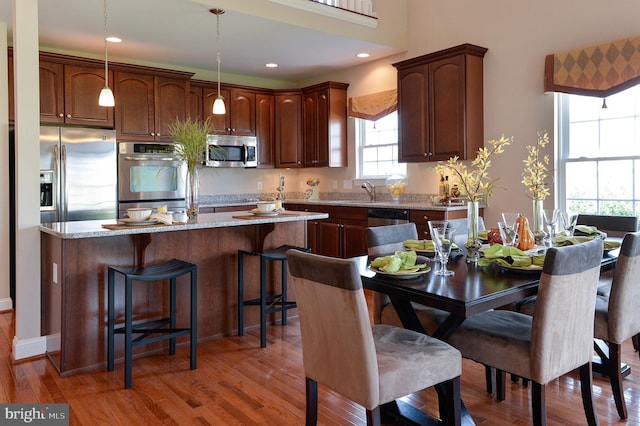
x=371, y=190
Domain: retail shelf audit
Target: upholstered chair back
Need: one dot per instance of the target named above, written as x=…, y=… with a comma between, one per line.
x=337, y=342
x=387, y=239
x=623, y=319
x=614, y=226
x=562, y=338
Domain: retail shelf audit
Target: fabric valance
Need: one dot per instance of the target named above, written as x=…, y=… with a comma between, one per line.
x=600, y=70
x=374, y=106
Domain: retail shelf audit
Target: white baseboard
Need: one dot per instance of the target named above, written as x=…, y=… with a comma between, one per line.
x=29, y=347
x=6, y=304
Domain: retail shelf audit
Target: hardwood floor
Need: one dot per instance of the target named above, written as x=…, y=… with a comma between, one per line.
x=237, y=383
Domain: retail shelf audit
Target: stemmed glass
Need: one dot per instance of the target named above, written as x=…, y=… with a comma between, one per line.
x=568, y=221
x=442, y=236
x=510, y=220
x=551, y=217
x=509, y=233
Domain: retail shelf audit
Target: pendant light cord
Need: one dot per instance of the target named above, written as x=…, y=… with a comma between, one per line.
x=218, y=47
x=106, y=66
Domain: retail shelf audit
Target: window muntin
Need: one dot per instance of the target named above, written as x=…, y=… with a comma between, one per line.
x=378, y=147
x=599, y=153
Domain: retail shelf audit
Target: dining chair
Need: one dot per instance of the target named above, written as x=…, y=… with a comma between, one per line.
x=614, y=226
x=371, y=365
x=382, y=240
x=617, y=316
x=557, y=339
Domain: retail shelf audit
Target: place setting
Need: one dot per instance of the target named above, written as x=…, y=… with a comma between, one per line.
x=400, y=265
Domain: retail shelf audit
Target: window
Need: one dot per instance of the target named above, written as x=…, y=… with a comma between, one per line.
x=378, y=147
x=599, y=153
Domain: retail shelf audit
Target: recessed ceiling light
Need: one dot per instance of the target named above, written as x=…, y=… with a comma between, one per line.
x=362, y=55
x=271, y=65
x=114, y=39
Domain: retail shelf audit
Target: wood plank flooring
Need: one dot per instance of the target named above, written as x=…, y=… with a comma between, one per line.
x=237, y=383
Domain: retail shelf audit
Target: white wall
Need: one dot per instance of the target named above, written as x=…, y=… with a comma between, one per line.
x=5, y=300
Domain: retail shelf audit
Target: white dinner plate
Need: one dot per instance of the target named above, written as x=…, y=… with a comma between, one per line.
x=136, y=222
x=257, y=212
x=402, y=275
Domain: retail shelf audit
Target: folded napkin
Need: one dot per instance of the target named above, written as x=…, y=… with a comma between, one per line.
x=166, y=218
x=589, y=231
x=483, y=235
x=423, y=245
x=509, y=256
x=400, y=260
x=579, y=239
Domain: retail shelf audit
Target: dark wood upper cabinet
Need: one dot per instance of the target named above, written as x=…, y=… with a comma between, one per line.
x=240, y=118
x=147, y=104
x=265, y=115
x=134, y=106
x=325, y=125
x=171, y=102
x=69, y=94
x=195, y=102
x=288, y=129
x=440, y=105
x=51, y=92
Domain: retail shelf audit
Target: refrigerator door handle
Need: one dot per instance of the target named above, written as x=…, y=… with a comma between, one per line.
x=63, y=186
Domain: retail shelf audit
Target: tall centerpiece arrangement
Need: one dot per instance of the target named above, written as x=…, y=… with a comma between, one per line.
x=190, y=137
x=474, y=184
x=534, y=179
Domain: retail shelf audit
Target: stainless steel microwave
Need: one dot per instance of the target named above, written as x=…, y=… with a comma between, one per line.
x=237, y=151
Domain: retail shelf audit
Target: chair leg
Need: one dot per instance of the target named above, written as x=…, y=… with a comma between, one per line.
x=312, y=402
x=488, y=377
x=240, y=294
x=111, y=321
x=586, y=389
x=636, y=342
x=451, y=407
x=194, y=318
x=172, y=314
x=501, y=379
x=284, y=292
x=615, y=359
x=538, y=404
x=263, y=302
x=128, y=332
x=373, y=417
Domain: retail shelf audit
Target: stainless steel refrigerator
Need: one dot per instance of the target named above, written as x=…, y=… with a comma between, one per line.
x=78, y=174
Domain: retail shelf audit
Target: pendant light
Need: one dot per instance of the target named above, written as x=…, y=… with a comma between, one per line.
x=218, y=105
x=106, y=95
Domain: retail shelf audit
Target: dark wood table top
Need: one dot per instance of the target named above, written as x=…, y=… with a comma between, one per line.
x=471, y=290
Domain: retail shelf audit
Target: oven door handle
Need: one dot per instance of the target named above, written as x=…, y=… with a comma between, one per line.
x=142, y=158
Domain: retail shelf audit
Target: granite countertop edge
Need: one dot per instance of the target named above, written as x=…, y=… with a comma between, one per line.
x=94, y=228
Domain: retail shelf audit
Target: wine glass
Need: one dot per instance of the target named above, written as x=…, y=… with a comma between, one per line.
x=509, y=233
x=568, y=222
x=442, y=237
x=510, y=220
x=551, y=217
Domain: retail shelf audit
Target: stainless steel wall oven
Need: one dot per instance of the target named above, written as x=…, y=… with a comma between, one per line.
x=149, y=174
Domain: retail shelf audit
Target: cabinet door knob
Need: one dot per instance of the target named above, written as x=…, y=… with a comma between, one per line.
x=61, y=115
x=68, y=115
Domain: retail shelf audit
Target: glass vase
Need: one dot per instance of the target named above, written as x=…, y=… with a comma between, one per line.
x=473, y=240
x=192, y=193
x=538, y=222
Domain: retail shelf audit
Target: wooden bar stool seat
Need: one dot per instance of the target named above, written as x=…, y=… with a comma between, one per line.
x=153, y=330
x=269, y=304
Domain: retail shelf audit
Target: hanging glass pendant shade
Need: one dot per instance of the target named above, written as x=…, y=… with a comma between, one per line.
x=218, y=105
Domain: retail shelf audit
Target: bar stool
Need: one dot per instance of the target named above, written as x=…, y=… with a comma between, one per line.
x=268, y=303
x=169, y=270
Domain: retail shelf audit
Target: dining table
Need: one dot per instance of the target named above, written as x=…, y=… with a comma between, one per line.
x=471, y=289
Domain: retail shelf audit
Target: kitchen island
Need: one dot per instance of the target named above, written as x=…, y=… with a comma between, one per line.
x=75, y=257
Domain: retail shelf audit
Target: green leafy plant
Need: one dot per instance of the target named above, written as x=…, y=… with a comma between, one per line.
x=475, y=184
x=190, y=137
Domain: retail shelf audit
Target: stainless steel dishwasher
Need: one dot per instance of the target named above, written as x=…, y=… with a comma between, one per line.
x=384, y=216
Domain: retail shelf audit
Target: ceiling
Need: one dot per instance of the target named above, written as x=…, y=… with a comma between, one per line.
x=182, y=33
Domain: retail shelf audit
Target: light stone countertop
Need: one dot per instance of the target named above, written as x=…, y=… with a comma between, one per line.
x=352, y=203
x=94, y=228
